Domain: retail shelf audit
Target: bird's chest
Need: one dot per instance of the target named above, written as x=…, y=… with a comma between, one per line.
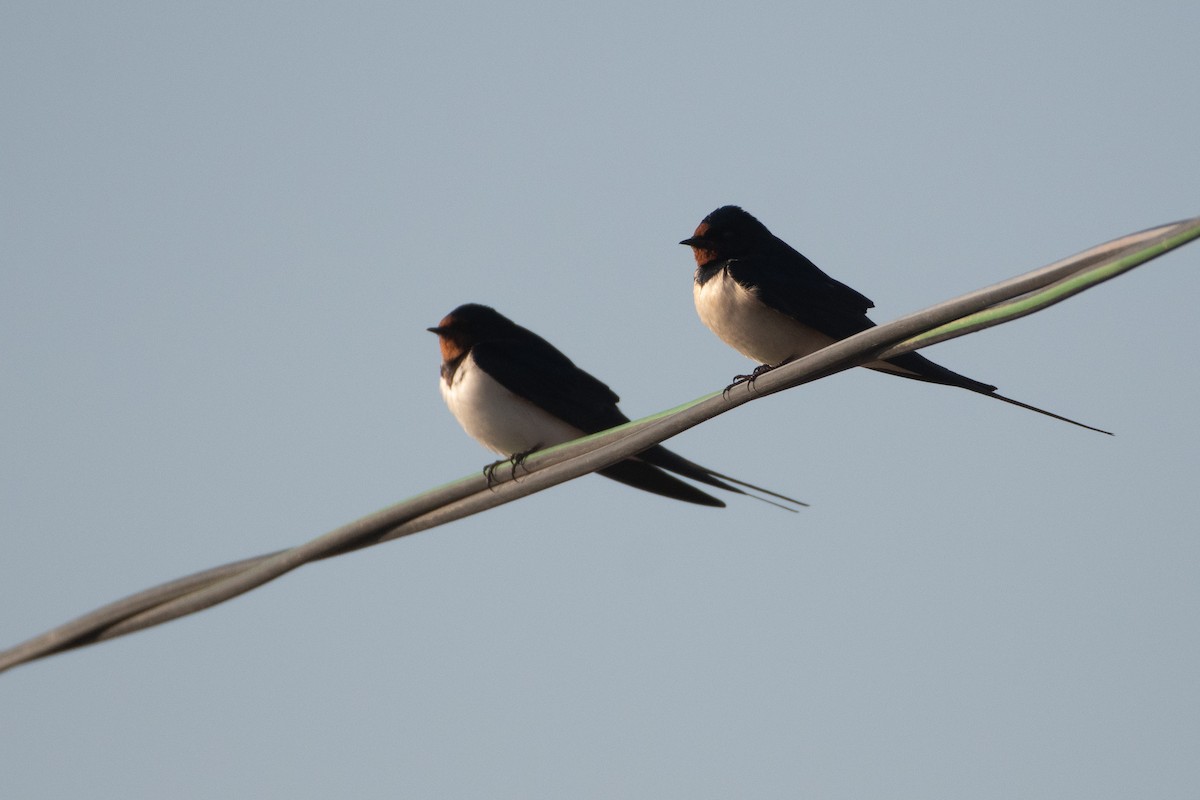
x=755, y=330
x=497, y=418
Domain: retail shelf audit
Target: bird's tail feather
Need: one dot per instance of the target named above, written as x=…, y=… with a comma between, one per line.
x=641, y=475
x=917, y=367
x=660, y=456
x=999, y=396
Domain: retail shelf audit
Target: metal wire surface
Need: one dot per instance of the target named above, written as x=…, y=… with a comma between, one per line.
x=994, y=305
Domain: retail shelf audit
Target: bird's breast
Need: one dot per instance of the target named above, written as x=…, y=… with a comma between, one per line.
x=498, y=419
x=755, y=330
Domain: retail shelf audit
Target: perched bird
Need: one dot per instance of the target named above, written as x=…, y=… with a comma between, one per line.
x=773, y=305
x=514, y=392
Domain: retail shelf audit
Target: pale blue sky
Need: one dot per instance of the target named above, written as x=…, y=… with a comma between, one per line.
x=225, y=230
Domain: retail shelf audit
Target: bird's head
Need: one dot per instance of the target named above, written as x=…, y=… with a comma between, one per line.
x=729, y=232
x=466, y=326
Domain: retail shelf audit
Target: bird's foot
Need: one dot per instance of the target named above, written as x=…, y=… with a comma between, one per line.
x=514, y=461
x=738, y=380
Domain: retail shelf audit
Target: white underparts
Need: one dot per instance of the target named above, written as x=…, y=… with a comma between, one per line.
x=498, y=419
x=759, y=332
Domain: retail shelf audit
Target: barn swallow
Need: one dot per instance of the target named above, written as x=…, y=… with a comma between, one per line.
x=773, y=305
x=514, y=392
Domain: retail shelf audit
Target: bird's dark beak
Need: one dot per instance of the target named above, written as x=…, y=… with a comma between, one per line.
x=695, y=241
x=435, y=329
